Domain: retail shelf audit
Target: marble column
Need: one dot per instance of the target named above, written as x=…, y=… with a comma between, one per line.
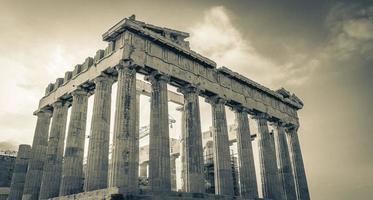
x=248, y=184
x=271, y=184
x=222, y=159
x=125, y=146
x=72, y=168
x=144, y=169
x=50, y=183
x=137, y=133
x=183, y=149
x=19, y=172
x=173, y=171
x=297, y=163
x=284, y=163
x=38, y=152
x=159, y=139
x=192, y=140
x=98, y=147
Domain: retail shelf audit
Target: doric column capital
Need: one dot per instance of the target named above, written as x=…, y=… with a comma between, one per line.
x=59, y=103
x=215, y=99
x=157, y=76
x=127, y=66
x=104, y=78
x=189, y=88
x=79, y=92
x=279, y=123
x=124, y=64
x=44, y=112
x=239, y=109
x=261, y=115
x=292, y=128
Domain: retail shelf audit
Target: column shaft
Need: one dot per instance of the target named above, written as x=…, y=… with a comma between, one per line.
x=298, y=166
x=144, y=169
x=192, y=140
x=173, y=171
x=19, y=173
x=38, y=152
x=183, y=150
x=222, y=159
x=271, y=184
x=284, y=163
x=125, y=146
x=248, y=184
x=159, y=139
x=72, y=169
x=98, y=147
x=50, y=184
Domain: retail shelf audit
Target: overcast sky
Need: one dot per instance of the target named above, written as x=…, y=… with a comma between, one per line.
x=320, y=50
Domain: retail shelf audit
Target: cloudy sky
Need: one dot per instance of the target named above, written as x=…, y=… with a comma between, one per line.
x=320, y=50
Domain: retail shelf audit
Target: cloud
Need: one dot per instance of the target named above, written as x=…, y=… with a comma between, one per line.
x=216, y=37
x=351, y=31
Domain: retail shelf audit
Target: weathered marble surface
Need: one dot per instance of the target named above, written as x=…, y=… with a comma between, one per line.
x=159, y=138
x=72, y=168
x=38, y=152
x=114, y=193
x=222, y=159
x=165, y=57
x=248, y=183
x=19, y=173
x=98, y=147
x=52, y=171
x=297, y=159
x=178, y=62
x=271, y=184
x=192, y=139
x=284, y=162
x=125, y=142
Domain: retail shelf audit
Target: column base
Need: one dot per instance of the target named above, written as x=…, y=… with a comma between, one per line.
x=115, y=193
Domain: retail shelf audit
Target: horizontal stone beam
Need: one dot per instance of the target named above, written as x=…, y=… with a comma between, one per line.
x=184, y=69
x=85, y=78
x=183, y=66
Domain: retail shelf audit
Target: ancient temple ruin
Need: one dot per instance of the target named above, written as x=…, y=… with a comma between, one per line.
x=164, y=57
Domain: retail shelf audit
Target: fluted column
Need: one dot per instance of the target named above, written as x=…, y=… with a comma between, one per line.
x=192, y=140
x=98, y=147
x=144, y=169
x=183, y=148
x=38, y=152
x=297, y=160
x=50, y=184
x=222, y=159
x=173, y=171
x=284, y=163
x=271, y=184
x=248, y=184
x=125, y=146
x=159, y=139
x=19, y=172
x=72, y=169
x=137, y=134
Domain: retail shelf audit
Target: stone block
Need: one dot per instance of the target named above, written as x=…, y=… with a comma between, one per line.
x=59, y=82
x=99, y=55
x=68, y=76
x=87, y=63
x=77, y=70
x=49, y=88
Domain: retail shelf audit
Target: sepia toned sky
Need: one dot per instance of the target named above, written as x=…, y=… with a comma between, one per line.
x=320, y=50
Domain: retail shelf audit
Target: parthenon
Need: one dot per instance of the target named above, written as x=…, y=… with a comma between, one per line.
x=53, y=169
